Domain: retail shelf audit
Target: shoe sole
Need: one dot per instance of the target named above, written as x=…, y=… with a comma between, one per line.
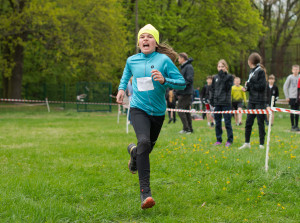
x=131, y=160
x=148, y=203
x=131, y=171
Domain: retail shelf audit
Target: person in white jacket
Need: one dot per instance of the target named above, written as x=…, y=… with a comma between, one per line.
x=290, y=89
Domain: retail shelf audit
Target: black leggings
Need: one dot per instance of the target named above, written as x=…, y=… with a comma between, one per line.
x=147, y=129
x=260, y=121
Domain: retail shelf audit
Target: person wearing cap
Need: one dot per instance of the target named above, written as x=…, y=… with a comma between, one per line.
x=153, y=71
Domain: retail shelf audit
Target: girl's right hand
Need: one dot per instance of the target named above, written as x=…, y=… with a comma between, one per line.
x=120, y=96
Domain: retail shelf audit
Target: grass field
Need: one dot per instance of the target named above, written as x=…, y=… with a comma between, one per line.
x=66, y=166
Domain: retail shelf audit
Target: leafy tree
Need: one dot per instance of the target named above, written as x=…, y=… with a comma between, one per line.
x=207, y=30
x=58, y=41
x=282, y=18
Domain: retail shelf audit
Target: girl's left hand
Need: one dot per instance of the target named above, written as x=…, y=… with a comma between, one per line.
x=157, y=76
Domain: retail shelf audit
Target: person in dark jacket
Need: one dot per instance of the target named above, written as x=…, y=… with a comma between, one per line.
x=185, y=96
x=221, y=101
x=171, y=103
x=272, y=90
x=205, y=98
x=256, y=85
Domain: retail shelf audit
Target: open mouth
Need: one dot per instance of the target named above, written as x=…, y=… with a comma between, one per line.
x=146, y=45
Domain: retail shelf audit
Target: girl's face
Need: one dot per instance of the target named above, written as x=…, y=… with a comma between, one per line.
x=147, y=43
x=180, y=60
x=250, y=64
x=221, y=67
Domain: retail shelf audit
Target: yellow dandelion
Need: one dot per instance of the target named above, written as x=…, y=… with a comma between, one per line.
x=262, y=193
x=216, y=161
x=198, y=182
x=248, y=161
x=282, y=207
x=228, y=182
x=248, y=199
x=293, y=157
x=278, y=205
x=264, y=186
x=224, y=188
x=199, y=140
x=237, y=159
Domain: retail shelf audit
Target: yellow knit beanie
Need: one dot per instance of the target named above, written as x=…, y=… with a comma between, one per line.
x=151, y=30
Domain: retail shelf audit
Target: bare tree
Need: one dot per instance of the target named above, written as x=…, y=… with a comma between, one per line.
x=281, y=17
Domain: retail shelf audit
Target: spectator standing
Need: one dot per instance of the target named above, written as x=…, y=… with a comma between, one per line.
x=256, y=85
x=290, y=89
x=272, y=90
x=205, y=98
x=238, y=96
x=196, y=98
x=171, y=103
x=185, y=96
x=221, y=101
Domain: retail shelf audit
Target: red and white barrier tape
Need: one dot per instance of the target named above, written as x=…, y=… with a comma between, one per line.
x=250, y=111
x=286, y=110
x=55, y=102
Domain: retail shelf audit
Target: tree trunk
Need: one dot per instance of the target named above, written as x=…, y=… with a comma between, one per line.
x=273, y=61
x=17, y=73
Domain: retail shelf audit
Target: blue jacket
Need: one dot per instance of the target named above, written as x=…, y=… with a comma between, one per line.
x=140, y=65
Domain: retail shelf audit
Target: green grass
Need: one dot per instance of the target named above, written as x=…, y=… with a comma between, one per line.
x=72, y=167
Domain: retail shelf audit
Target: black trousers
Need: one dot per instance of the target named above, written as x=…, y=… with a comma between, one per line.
x=184, y=102
x=147, y=129
x=295, y=106
x=260, y=121
x=171, y=105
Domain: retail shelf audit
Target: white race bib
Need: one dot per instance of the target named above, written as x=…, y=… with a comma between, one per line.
x=145, y=84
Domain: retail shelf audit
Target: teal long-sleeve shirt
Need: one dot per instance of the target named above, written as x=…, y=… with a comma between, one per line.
x=139, y=66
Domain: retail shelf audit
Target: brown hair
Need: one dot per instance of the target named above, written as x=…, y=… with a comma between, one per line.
x=168, y=50
x=254, y=58
x=209, y=77
x=222, y=61
x=272, y=77
x=265, y=70
x=184, y=56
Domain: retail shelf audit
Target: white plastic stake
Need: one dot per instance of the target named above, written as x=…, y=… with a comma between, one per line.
x=127, y=119
x=119, y=110
x=269, y=133
x=47, y=105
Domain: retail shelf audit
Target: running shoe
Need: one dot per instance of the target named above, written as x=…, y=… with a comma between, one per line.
x=147, y=200
x=245, y=146
x=132, y=162
x=228, y=144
